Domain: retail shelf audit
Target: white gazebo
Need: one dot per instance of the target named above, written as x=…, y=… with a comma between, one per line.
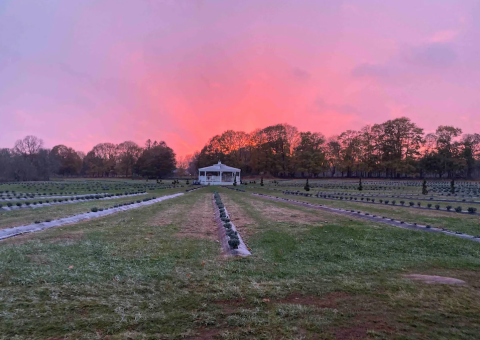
x=218, y=174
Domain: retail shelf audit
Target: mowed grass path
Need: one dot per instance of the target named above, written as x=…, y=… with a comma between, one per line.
x=142, y=274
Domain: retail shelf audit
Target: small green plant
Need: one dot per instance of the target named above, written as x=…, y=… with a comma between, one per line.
x=94, y=209
x=449, y=207
x=437, y=207
x=472, y=210
x=458, y=209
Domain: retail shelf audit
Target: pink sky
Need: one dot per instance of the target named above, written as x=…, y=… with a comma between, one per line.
x=84, y=72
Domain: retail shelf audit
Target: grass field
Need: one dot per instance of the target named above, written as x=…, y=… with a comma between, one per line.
x=157, y=272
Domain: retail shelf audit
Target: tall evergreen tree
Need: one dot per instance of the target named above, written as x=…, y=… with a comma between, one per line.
x=307, y=186
x=360, y=186
x=424, y=187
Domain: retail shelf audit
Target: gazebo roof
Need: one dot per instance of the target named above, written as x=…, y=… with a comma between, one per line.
x=219, y=167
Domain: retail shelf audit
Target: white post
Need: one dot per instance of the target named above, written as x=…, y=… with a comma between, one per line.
x=220, y=176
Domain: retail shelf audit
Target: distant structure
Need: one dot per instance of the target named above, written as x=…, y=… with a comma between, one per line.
x=218, y=174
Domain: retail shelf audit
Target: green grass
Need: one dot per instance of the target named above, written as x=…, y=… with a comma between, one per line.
x=469, y=224
x=18, y=217
x=130, y=275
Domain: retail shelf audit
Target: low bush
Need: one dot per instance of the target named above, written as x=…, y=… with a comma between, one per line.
x=437, y=206
x=458, y=209
x=94, y=209
x=449, y=207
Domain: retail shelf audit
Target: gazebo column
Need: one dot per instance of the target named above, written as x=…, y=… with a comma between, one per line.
x=220, y=176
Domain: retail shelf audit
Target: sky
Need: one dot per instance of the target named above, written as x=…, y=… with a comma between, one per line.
x=82, y=72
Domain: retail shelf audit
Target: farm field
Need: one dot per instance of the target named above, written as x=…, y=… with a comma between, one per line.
x=158, y=272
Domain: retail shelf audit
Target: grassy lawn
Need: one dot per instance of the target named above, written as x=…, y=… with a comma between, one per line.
x=157, y=272
x=469, y=224
x=18, y=217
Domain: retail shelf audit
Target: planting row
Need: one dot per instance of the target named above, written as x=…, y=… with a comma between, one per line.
x=230, y=188
x=448, y=208
x=231, y=240
x=38, y=225
x=41, y=203
x=381, y=219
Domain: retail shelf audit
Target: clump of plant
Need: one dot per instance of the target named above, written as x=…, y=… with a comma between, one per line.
x=449, y=207
x=360, y=186
x=458, y=209
x=94, y=209
x=472, y=210
x=437, y=206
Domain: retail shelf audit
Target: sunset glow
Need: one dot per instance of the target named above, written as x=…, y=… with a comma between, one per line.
x=84, y=72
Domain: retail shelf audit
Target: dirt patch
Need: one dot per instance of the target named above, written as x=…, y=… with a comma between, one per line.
x=199, y=222
x=282, y=214
x=365, y=324
x=331, y=300
x=433, y=279
x=206, y=333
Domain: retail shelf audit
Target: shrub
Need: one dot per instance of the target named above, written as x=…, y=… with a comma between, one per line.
x=402, y=202
x=48, y=220
x=419, y=204
x=411, y=204
x=9, y=204
x=437, y=206
x=449, y=207
x=393, y=202
x=19, y=204
x=386, y=201
x=429, y=205
x=472, y=210
x=94, y=209
x=37, y=222
x=458, y=209
x=234, y=243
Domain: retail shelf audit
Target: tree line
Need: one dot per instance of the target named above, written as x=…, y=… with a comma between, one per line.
x=393, y=149
x=28, y=160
